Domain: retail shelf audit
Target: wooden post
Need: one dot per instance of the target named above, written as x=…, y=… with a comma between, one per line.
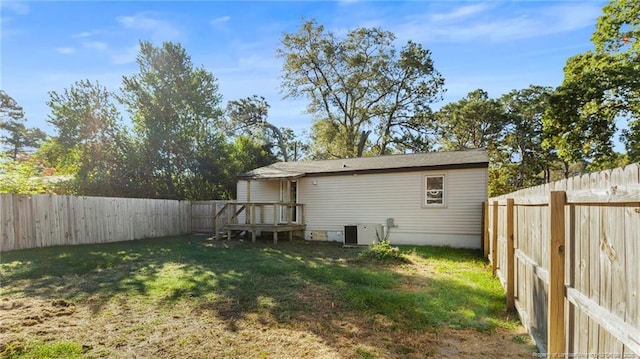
x=510, y=258
x=216, y=220
x=275, y=214
x=485, y=227
x=556, y=330
x=494, y=239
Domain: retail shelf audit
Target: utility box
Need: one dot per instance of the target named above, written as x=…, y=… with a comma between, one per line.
x=362, y=234
x=367, y=233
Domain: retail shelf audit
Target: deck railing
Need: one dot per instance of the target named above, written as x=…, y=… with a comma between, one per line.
x=259, y=213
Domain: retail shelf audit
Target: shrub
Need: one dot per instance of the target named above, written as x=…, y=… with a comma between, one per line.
x=382, y=250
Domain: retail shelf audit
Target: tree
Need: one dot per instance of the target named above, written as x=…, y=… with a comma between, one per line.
x=475, y=121
x=249, y=114
x=359, y=85
x=174, y=108
x=525, y=110
x=600, y=87
x=91, y=141
x=17, y=136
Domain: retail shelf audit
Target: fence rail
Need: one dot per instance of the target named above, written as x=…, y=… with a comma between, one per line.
x=568, y=255
x=28, y=221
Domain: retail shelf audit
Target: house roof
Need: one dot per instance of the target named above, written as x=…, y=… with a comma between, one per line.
x=476, y=158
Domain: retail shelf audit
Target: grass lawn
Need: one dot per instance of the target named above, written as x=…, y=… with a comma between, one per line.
x=195, y=297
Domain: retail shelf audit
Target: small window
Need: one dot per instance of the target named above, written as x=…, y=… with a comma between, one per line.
x=434, y=193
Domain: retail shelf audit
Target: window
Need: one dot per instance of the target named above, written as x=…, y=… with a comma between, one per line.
x=434, y=191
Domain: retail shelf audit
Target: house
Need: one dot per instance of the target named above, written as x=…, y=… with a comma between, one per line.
x=430, y=198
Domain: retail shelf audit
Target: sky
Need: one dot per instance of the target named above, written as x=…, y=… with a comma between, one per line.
x=497, y=46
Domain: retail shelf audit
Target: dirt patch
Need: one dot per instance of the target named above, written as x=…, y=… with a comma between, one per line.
x=27, y=317
x=122, y=330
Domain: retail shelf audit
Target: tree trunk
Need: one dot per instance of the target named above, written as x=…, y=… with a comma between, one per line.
x=363, y=141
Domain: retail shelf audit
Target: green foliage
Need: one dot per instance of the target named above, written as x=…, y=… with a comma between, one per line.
x=92, y=145
x=475, y=121
x=248, y=117
x=600, y=88
x=382, y=250
x=22, y=176
x=174, y=107
x=174, y=149
x=365, y=94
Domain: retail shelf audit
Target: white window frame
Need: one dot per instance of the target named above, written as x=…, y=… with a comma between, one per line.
x=444, y=191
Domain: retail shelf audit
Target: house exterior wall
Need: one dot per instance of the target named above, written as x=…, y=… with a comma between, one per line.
x=336, y=201
x=331, y=202
x=261, y=191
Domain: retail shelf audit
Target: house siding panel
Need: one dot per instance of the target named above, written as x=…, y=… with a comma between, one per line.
x=336, y=201
x=261, y=191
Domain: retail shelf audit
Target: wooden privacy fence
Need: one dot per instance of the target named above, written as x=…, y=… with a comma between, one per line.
x=202, y=214
x=568, y=255
x=28, y=221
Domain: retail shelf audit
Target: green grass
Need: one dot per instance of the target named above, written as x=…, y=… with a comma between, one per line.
x=44, y=350
x=433, y=288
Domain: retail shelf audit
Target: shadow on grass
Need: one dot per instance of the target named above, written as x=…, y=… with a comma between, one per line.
x=316, y=284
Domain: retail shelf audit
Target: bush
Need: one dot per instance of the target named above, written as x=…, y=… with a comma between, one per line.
x=383, y=250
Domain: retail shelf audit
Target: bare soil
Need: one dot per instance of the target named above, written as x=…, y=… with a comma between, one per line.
x=121, y=331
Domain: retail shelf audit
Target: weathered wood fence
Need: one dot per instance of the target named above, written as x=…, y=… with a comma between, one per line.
x=568, y=255
x=202, y=214
x=28, y=221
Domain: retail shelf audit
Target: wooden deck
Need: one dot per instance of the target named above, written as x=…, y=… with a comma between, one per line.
x=255, y=218
x=273, y=228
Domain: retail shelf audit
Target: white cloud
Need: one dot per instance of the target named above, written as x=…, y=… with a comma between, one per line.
x=15, y=6
x=474, y=22
x=87, y=34
x=158, y=30
x=459, y=13
x=220, y=20
x=65, y=50
x=96, y=45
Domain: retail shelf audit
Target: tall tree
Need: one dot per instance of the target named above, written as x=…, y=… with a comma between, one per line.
x=174, y=107
x=600, y=88
x=91, y=140
x=17, y=137
x=358, y=86
x=525, y=109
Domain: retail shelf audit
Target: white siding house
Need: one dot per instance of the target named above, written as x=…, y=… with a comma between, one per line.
x=423, y=199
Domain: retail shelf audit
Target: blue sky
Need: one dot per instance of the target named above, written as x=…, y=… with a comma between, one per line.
x=496, y=46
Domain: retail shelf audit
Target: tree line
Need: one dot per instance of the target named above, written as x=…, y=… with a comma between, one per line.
x=367, y=97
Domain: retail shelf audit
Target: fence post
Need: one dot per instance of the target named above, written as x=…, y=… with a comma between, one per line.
x=485, y=228
x=555, y=327
x=510, y=257
x=494, y=239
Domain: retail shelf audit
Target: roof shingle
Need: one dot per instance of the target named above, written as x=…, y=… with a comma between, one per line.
x=389, y=163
